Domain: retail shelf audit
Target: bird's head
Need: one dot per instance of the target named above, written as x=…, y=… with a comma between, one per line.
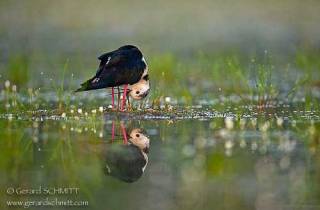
x=139, y=138
x=140, y=90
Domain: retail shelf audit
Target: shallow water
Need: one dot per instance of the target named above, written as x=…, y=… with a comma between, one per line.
x=225, y=161
x=232, y=119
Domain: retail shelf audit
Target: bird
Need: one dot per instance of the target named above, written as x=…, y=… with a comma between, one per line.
x=123, y=66
x=127, y=162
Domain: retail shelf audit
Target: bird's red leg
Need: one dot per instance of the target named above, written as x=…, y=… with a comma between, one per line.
x=112, y=97
x=124, y=97
x=124, y=133
x=112, y=131
x=118, y=98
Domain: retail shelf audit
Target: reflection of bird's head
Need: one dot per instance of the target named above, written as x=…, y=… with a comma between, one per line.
x=139, y=139
x=140, y=89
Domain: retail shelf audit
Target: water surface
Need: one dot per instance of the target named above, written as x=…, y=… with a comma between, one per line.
x=217, y=162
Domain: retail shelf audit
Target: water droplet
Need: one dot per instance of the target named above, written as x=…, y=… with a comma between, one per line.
x=229, y=122
x=7, y=84
x=14, y=88
x=228, y=144
x=265, y=126
x=279, y=121
x=101, y=134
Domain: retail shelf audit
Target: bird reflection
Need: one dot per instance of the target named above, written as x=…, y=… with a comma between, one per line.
x=127, y=161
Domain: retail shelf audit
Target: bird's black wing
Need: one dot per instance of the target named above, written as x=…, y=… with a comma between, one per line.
x=113, y=56
x=110, y=58
x=117, y=68
x=122, y=67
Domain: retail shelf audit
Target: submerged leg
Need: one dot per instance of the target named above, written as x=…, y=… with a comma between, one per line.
x=118, y=98
x=112, y=97
x=124, y=97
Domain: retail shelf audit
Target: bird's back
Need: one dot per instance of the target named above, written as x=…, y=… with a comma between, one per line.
x=119, y=67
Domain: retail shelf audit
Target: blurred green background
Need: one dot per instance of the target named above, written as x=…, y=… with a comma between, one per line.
x=41, y=36
x=246, y=72
x=91, y=27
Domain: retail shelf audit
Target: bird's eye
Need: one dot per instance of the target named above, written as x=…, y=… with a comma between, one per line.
x=137, y=135
x=137, y=92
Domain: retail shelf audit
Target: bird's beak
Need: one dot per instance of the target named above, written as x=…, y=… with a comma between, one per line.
x=145, y=94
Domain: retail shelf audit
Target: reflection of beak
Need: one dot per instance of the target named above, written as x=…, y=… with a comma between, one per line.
x=146, y=150
x=145, y=94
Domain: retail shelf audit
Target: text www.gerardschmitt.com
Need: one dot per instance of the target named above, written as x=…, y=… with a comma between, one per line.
x=47, y=202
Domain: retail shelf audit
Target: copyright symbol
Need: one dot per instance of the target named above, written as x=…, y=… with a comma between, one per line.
x=10, y=191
